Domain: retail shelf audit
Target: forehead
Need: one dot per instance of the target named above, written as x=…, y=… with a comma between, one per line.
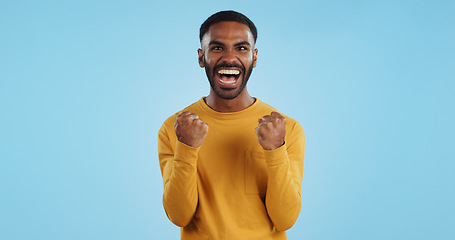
x=228, y=32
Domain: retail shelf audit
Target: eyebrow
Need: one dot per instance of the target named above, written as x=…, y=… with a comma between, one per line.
x=242, y=43
x=214, y=42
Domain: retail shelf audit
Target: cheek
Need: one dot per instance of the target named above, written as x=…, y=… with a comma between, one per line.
x=209, y=60
x=248, y=60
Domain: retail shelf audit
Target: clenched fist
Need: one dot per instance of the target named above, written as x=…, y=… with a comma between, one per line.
x=190, y=129
x=271, y=131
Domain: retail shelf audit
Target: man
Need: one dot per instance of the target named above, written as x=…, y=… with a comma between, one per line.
x=232, y=166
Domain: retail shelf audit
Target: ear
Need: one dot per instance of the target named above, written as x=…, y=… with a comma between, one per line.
x=255, y=57
x=200, y=57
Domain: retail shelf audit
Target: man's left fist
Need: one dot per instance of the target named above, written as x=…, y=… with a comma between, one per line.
x=271, y=131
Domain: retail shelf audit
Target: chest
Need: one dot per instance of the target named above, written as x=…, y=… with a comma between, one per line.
x=232, y=157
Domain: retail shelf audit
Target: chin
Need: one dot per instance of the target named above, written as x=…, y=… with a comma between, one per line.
x=226, y=95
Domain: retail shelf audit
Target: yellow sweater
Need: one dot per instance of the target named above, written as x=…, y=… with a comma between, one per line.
x=230, y=187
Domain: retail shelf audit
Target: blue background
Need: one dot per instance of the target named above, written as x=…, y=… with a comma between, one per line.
x=85, y=86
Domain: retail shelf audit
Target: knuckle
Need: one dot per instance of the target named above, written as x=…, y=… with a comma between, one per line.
x=182, y=114
x=178, y=121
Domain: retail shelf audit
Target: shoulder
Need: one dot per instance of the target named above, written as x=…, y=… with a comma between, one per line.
x=291, y=123
x=169, y=122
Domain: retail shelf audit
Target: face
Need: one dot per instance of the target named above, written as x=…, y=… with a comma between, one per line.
x=227, y=53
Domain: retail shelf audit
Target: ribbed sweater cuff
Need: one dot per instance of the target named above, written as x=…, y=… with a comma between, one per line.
x=277, y=156
x=186, y=153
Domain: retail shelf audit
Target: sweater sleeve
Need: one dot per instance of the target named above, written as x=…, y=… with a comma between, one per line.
x=285, y=173
x=179, y=172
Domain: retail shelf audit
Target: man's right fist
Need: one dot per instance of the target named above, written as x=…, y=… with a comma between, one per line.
x=190, y=129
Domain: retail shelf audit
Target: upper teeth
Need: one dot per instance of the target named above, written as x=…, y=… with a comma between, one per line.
x=228, y=71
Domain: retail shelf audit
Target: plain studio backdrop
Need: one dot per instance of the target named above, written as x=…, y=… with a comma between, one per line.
x=85, y=86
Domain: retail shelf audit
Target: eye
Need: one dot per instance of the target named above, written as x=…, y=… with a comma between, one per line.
x=242, y=48
x=217, y=48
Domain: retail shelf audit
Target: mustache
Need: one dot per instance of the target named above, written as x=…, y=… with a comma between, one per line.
x=228, y=65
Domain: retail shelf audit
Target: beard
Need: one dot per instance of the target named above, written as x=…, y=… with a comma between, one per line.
x=227, y=93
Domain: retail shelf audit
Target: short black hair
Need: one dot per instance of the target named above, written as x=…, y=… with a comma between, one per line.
x=227, y=16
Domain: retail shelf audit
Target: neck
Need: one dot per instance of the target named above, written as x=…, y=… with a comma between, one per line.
x=242, y=101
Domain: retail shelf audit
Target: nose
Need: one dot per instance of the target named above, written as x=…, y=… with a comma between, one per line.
x=229, y=56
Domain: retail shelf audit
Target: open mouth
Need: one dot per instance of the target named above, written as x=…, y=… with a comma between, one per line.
x=228, y=77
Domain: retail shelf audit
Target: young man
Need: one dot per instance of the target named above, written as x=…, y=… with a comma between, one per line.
x=232, y=166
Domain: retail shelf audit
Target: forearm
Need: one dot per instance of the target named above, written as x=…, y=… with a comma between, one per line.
x=180, y=196
x=283, y=199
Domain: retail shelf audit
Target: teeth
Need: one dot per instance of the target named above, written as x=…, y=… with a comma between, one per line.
x=228, y=71
x=232, y=81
